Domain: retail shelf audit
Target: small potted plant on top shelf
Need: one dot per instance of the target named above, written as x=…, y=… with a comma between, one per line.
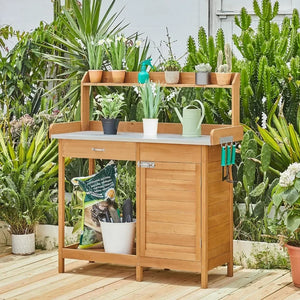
x=172, y=69
x=95, y=59
x=151, y=97
x=202, y=73
x=115, y=51
x=223, y=75
x=109, y=107
x=287, y=194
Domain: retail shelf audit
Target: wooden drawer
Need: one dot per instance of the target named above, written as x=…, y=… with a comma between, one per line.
x=170, y=153
x=98, y=149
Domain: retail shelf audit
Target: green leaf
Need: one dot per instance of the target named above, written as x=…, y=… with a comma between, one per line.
x=293, y=222
x=258, y=191
x=290, y=196
x=277, y=199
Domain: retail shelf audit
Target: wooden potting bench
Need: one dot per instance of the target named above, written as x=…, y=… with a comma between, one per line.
x=183, y=207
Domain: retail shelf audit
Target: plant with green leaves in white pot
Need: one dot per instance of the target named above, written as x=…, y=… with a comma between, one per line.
x=202, y=73
x=172, y=70
x=223, y=74
x=151, y=97
x=28, y=173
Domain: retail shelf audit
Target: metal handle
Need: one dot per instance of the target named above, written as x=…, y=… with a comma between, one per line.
x=98, y=149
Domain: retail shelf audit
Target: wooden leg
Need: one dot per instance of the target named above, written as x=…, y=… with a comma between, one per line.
x=61, y=209
x=61, y=265
x=230, y=269
x=204, y=279
x=139, y=273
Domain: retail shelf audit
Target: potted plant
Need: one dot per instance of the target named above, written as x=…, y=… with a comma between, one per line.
x=172, y=69
x=287, y=194
x=202, y=73
x=95, y=59
x=115, y=50
x=28, y=172
x=223, y=75
x=109, y=107
x=151, y=95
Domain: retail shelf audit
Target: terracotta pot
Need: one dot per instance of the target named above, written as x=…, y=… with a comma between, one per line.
x=172, y=77
x=223, y=78
x=95, y=75
x=294, y=253
x=118, y=76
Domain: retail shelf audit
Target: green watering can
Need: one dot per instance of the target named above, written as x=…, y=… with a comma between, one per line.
x=191, y=119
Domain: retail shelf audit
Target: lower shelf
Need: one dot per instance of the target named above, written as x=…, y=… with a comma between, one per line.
x=98, y=255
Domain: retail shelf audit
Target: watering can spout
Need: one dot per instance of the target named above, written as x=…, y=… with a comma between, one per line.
x=179, y=115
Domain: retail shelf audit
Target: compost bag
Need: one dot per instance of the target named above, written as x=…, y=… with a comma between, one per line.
x=99, y=192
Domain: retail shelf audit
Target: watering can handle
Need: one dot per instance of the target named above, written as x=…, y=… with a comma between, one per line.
x=202, y=112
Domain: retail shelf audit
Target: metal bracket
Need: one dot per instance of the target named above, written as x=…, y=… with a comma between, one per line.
x=146, y=164
x=226, y=140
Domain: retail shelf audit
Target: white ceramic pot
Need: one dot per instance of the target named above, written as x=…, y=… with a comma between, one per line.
x=118, y=237
x=172, y=77
x=150, y=127
x=23, y=244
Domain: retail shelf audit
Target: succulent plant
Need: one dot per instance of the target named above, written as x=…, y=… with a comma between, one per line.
x=203, y=67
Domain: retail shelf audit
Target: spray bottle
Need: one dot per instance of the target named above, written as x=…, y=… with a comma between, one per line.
x=144, y=75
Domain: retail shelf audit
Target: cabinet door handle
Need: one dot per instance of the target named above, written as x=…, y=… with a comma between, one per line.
x=98, y=149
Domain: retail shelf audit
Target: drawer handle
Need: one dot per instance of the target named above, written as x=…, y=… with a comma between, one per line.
x=98, y=149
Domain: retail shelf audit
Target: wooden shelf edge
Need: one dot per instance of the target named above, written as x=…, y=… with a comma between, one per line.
x=99, y=255
x=187, y=79
x=235, y=131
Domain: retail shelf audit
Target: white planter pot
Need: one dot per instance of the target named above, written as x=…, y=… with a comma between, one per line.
x=150, y=127
x=118, y=237
x=23, y=243
x=172, y=77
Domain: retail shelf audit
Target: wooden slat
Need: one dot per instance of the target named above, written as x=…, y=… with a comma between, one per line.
x=164, y=184
x=171, y=195
x=173, y=264
x=170, y=228
x=170, y=239
x=98, y=255
x=215, y=177
x=171, y=153
x=170, y=255
x=215, y=251
x=170, y=248
x=155, y=205
x=172, y=217
x=64, y=128
x=174, y=174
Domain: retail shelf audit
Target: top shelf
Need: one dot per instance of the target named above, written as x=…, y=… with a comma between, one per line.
x=187, y=79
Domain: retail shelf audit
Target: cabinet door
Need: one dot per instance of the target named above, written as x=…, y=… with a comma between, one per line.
x=170, y=210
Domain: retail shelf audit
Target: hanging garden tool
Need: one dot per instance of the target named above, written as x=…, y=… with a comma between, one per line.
x=227, y=157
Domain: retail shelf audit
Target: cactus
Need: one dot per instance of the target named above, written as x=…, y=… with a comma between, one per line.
x=228, y=56
x=203, y=67
x=267, y=70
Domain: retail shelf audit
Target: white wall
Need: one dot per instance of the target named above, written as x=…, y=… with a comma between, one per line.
x=148, y=17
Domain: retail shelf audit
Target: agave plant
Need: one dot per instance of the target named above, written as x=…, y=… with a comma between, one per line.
x=77, y=48
x=28, y=171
